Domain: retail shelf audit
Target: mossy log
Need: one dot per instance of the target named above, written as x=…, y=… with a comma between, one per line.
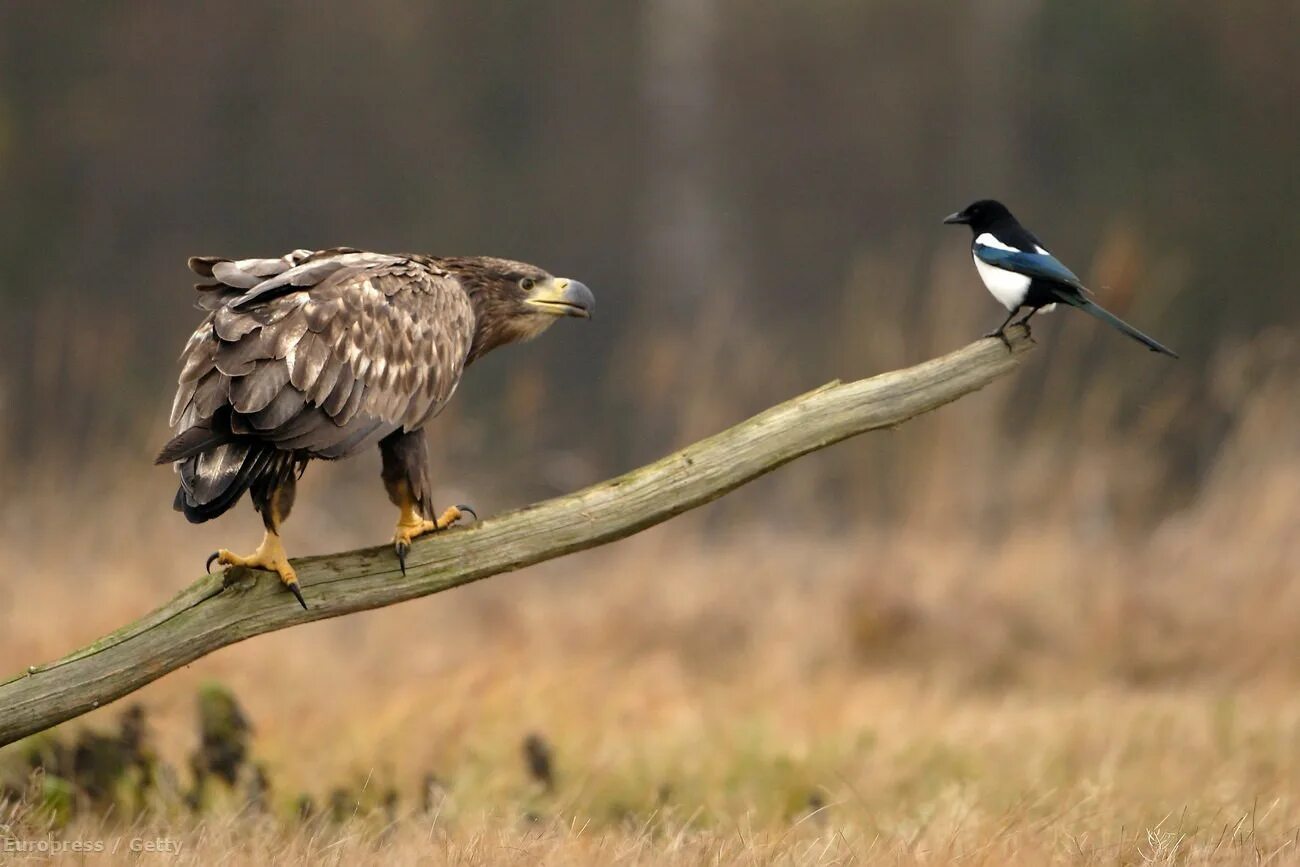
x=218, y=610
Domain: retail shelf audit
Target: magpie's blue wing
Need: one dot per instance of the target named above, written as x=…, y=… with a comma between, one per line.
x=1039, y=266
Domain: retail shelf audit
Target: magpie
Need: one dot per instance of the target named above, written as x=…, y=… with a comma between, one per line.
x=1019, y=272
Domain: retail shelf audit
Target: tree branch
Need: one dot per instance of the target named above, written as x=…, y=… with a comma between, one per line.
x=215, y=611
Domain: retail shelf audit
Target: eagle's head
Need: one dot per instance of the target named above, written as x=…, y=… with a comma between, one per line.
x=515, y=301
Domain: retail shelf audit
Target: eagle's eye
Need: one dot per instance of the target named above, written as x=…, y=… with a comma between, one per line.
x=527, y=283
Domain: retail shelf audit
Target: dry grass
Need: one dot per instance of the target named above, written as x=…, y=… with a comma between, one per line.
x=873, y=770
x=1051, y=681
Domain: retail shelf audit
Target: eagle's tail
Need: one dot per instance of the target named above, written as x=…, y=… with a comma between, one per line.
x=212, y=481
x=1095, y=310
x=215, y=467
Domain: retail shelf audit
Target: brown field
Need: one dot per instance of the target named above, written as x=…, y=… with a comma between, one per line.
x=1050, y=681
x=1055, y=622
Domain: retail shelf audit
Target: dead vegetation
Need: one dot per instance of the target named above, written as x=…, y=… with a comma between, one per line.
x=1024, y=630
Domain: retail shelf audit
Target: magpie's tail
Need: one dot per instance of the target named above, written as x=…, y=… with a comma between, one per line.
x=1098, y=312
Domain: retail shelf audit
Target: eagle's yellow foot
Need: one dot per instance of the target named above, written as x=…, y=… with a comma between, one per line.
x=411, y=526
x=269, y=556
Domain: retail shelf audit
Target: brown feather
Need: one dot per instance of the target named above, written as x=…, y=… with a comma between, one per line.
x=338, y=396
x=309, y=357
x=325, y=351
x=232, y=326
x=213, y=392
x=239, y=358
x=288, y=404
x=253, y=392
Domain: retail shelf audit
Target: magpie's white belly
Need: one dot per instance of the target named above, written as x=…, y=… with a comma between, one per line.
x=1008, y=287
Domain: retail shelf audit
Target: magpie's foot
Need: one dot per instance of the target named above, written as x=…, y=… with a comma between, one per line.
x=1000, y=334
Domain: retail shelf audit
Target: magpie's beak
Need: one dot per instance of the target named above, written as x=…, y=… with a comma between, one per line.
x=956, y=219
x=560, y=296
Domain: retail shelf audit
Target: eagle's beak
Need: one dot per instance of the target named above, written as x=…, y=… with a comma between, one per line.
x=958, y=218
x=560, y=296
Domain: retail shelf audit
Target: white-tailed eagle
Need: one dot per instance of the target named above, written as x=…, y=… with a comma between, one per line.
x=324, y=354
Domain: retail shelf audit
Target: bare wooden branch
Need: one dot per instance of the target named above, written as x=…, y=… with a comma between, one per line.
x=214, y=612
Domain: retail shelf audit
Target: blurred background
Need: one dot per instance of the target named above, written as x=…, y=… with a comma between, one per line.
x=754, y=193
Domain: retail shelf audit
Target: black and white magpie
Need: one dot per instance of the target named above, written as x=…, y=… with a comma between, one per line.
x=1019, y=271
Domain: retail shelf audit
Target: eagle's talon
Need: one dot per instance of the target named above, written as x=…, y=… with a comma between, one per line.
x=411, y=526
x=464, y=508
x=269, y=557
x=451, y=515
x=208, y=565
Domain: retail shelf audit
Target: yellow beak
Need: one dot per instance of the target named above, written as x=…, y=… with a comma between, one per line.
x=560, y=296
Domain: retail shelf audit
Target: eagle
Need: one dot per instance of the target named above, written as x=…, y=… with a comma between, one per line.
x=323, y=354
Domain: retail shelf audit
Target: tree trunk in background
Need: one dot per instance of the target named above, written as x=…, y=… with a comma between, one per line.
x=689, y=263
x=997, y=32
x=994, y=128
x=686, y=247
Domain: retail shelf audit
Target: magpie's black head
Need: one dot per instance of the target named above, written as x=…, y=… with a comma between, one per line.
x=981, y=215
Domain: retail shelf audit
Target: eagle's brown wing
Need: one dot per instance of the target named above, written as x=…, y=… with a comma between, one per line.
x=321, y=354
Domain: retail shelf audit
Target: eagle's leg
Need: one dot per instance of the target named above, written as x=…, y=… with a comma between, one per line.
x=273, y=499
x=405, y=472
